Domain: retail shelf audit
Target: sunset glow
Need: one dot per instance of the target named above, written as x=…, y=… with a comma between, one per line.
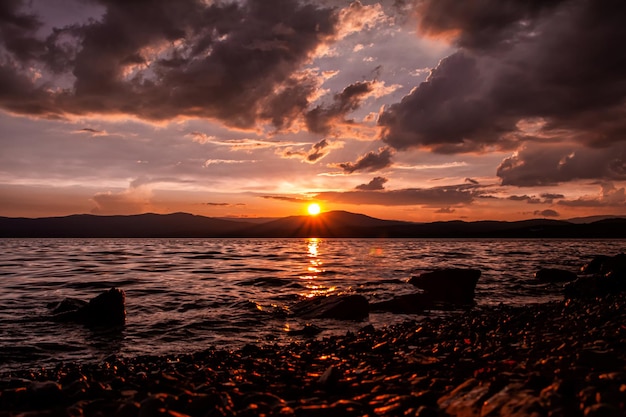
x=396, y=110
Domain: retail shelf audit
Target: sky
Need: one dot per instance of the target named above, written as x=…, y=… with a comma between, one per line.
x=419, y=110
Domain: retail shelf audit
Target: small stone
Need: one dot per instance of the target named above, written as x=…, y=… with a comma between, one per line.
x=602, y=410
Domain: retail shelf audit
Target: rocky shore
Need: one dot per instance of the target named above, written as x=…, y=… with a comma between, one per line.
x=557, y=359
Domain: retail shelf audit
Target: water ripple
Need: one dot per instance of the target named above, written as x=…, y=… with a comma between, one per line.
x=187, y=294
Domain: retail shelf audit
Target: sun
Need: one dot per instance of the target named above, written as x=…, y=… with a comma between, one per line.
x=314, y=209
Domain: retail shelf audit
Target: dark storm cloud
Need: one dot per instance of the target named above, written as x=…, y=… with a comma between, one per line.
x=371, y=161
x=157, y=60
x=377, y=183
x=18, y=31
x=320, y=118
x=431, y=197
x=549, y=165
x=524, y=71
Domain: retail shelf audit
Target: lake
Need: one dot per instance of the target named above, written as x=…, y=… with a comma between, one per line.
x=186, y=295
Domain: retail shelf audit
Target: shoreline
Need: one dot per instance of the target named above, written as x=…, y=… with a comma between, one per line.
x=559, y=358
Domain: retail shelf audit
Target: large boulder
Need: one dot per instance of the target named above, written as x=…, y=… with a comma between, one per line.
x=454, y=285
x=603, y=264
x=107, y=309
x=340, y=307
x=603, y=275
x=555, y=275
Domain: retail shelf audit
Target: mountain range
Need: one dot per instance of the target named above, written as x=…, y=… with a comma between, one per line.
x=330, y=224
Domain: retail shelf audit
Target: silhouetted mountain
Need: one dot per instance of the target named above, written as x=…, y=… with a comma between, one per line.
x=141, y=225
x=331, y=224
x=591, y=219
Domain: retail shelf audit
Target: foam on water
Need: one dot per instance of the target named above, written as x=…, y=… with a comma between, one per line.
x=189, y=294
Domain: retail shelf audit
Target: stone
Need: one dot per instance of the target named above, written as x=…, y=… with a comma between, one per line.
x=603, y=275
x=404, y=304
x=340, y=307
x=105, y=310
x=466, y=399
x=555, y=275
x=454, y=285
x=603, y=264
x=307, y=330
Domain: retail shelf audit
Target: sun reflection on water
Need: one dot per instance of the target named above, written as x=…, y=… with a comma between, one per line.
x=314, y=269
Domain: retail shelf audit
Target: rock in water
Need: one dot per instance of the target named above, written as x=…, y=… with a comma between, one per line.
x=454, y=285
x=107, y=309
x=603, y=264
x=340, y=307
x=405, y=304
x=609, y=277
x=555, y=275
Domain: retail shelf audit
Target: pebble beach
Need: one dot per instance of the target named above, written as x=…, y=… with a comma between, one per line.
x=563, y=358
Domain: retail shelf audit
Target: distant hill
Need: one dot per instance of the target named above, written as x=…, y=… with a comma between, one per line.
x=330, y=224
x=591, y=219
x=141, y=225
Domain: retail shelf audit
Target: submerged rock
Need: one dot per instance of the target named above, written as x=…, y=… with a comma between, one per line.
x=555, y=275
x=106, y=309
x=341, y=307
x=454, y=285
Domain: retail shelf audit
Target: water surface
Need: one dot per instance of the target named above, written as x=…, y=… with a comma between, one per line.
x=190, y=294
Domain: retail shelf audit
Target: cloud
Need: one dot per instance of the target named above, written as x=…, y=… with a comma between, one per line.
x=229, y=61
x=536, y=165
x=377, y=183
x=528, y=199
x=610, y=196
x=318, y=151
x=430, y=197
x=523, y=71
x=445, y=210
x=551, y=196
x=546, y=213
x=320, y=118
x=286, y=198
x=210, y=162
x=358, y=17
x=371, y=161
x=91, y=131
x=237, y=144
x=136, y=199
x=419, y=167
x=224, y=204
